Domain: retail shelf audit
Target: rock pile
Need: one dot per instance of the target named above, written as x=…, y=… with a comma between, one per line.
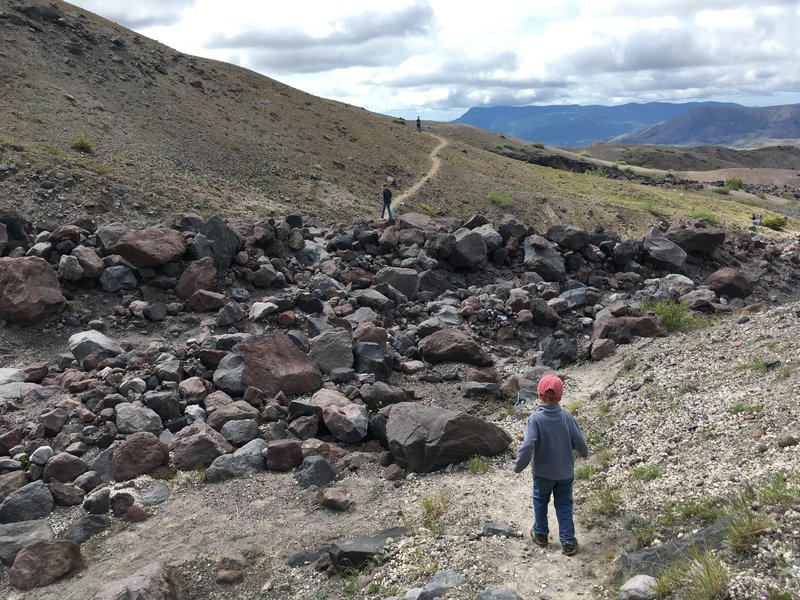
x=311, y=331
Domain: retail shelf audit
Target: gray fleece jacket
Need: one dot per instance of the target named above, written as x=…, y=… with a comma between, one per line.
x=551, y=434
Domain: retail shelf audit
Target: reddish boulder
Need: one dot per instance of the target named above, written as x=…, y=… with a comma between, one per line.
x=152, y=246
x=453, y=345
x=198, y=276
x=274, y=364
x=29, y=290
x=139, y=453
x=205, y=301
x=44, y=562
x=730, y=282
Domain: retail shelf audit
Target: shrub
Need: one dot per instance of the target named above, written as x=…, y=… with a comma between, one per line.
x=701, y=577
x=429, y=210
x=676, y=315
x=643, y=531
x=433, y=510
x=750, y=409
x=746, y=525
x=646, y=473
x=755, y=363
x=722, y=190
x=81, y=144
x=734, y=183
x=477, y=465
x=779, y=489
x=707, y=216
x=774, y=222
x=606, y=501
x=538, y=145
x=707, y=510
x=499, y=199
x=585, y=472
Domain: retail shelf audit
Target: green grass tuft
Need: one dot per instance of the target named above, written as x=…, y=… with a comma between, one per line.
x=677, y=316
x=81, y=144
x=477, y=465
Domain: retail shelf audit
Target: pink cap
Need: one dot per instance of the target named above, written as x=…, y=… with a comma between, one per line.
x=551, y=386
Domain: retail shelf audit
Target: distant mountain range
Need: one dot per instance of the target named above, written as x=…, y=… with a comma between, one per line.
x=664, y=123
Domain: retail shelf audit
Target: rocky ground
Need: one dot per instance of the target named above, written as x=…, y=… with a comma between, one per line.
x=679, y=426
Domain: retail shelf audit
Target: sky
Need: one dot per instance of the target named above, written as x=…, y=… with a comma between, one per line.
x=438, y=58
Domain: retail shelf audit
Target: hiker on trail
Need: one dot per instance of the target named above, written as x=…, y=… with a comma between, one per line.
x=387, y=200
x=551, y=434
x=419, y=124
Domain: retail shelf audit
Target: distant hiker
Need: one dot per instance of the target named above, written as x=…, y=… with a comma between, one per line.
x=387, y=200
x=551, y=434
x=419, y=124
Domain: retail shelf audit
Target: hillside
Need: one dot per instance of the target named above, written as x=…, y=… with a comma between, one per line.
x=735, y=126
x=163, y=132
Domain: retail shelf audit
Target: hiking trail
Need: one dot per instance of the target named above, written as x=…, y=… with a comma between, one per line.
x=436, y=162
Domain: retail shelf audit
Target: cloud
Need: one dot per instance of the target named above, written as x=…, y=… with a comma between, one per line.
x=349, y=31
x=141, y=14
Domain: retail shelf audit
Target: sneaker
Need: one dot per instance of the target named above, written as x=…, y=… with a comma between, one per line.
x=570, y=549
x=540, y=539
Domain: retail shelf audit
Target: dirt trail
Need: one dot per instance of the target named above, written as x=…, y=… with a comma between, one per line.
x=436, y=162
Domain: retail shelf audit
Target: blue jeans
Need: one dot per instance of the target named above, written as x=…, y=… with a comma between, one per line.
x=387, y=206
x=562, y=498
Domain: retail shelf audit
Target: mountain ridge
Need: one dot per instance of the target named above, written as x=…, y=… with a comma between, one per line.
x=665, y=123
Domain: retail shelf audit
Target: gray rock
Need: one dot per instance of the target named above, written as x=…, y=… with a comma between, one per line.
x=84, y=343
x=29, y=503
x=332, y=350
x=118, y=278
x=15, y=536
x=498, y=594
x=155, y=493
x=442, y=582
x=405, y=281
x=639, y=587
x=246, y=461
x=240, y=432
x=543, y=259
x=131, y=419
x=69, y=269
x=315, y=470
x=85, y=527
x=358, y=552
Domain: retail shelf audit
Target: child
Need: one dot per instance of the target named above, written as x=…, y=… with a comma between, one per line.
x=551, y=434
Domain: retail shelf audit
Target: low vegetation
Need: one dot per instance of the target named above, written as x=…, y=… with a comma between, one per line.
x=500, y=199
x=774, y=222
x=677, y=316
x=702, y=576
x=82, y=145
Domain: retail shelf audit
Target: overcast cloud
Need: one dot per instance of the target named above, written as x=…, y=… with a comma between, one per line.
x=437, y=58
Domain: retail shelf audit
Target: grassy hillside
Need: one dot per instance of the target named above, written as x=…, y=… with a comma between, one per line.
x=100, y=121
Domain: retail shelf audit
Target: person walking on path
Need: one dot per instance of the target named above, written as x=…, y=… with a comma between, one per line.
x=551, y=434
x=387, y=200
x=419, y=124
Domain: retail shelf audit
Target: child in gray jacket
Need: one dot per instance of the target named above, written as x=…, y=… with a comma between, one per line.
x=551, y=434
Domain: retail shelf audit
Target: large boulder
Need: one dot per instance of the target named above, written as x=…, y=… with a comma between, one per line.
x=469, y=251
x=568, y=236
x=197, y=276
x=663, y=251
x=453, y=345
x=28, y=503
x=355, y=553
x=332, y=350
x=272, y=363
x=543, y=259
x=86, y=343
x=730, y=282
x=405, y=281
x=15, y=536
x=428, y=438
x=44, y=562
x=151, y=246
x=197, y=446
x=138, y=454
x=29, y=290
x=697, y=239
